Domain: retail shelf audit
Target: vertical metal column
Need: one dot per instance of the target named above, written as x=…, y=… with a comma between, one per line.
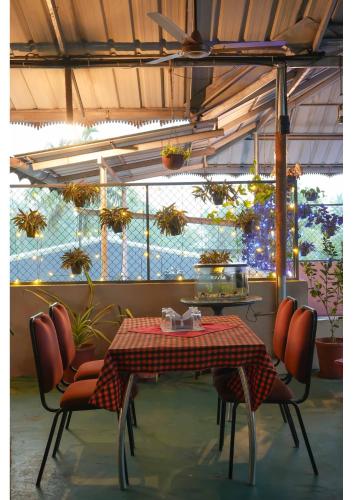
x=124, y=274
x=296, y=232
x=104, y=231
x=256, y=152
x=148, y=262
x=282, y=128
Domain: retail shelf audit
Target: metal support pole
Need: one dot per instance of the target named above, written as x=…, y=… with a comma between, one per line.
x=104, y=231
x=282, y=128
x=296, y=232
x=124, y=274
x=68, y=95
x=148, y=262
x=256, y=152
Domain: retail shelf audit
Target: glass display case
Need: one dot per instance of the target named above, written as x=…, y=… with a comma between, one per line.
x=221, y=280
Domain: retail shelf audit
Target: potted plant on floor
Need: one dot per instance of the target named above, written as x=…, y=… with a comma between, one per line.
x=171, y=221
x=115, y=218
x=173, y=157
x=84, y=323
x=31, y=222
x=80, y=194
x=76, y=260
x=216, y=193
x=325, y=282
x=215, y=257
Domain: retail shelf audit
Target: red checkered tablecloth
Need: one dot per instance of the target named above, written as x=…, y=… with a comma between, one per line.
x=134, y=352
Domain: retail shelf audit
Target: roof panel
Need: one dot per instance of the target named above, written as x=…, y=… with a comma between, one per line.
x=258, y=19
x=286, y=15
x=127, y=84
x=231, y=19
x=34, y=17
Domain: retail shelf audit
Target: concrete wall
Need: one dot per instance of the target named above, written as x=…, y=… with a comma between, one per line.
x=144, y=299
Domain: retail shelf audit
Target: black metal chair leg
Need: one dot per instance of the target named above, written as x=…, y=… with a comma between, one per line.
x=46, y=451
x=130, y=433
x=232, y=439
x=306, y=439
x=283, y=413
x=68, y=420
x=60, y=433
x=218, y=409
x=291, y=425
x=133, y=411
x=222, y=424
x=125, y=467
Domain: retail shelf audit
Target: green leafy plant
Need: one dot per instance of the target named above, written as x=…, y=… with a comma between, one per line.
x=218, y=193
x=169, y=149
x=262, y=191
x=76, y=260
x=246, y=220
x=115, y=218
x=311, y=194
x=171, y=221
x=80, y=193
x=325, y=282
x=31, y=222
x=84, y=323
x=215, y=257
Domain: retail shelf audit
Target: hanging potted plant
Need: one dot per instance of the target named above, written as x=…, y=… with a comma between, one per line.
x=171, y=221
x=311, y=194
x=76, y=260
x=216, y=193
x=305, y=248
x=80, y=194
x=247, y=220
x=173, y=157
x=115, y=218
x=31, y=222
x=325, y=282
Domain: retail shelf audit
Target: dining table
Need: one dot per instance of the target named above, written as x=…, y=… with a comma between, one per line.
x=141, y=346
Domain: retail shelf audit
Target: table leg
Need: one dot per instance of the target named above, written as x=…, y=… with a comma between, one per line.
x=217, y=310
x=251, y=426
x=121, y=434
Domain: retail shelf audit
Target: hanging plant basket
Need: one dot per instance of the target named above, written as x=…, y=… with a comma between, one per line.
x=171, y=221
x=173, y=157
x=115, y=218
x=173, y=161
x=76, y=260
x=31, y=222
x=218, y=198
x=80, y=194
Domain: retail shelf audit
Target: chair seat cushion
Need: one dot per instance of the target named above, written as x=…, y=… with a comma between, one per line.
x=77, y=395
x=89, y=370
x=279, y=392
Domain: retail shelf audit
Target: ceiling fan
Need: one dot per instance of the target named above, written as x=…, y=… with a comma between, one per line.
x=194, y=47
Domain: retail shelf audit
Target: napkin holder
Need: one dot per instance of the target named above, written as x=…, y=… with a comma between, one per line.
x=178, y=322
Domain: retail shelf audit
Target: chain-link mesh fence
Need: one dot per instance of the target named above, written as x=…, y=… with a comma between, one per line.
x=141, y=251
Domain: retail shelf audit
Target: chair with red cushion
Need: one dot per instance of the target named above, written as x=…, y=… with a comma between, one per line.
x=50, y=371
x=89, y=369
x=298, y=359
x=284, y=314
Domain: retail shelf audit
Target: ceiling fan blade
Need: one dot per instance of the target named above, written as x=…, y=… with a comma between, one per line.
x=168, y=25
x=166, y=58
x=250, y=45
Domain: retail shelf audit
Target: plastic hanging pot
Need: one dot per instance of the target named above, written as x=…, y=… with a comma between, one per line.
x=76, y=268
x=249, y=227
x=117, y=227
x=79, y=203
x=173, y=161
x=31, y=233
x=175, y=230
x=218, y=198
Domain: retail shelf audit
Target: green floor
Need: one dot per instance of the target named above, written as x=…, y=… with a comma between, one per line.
x=176, y=448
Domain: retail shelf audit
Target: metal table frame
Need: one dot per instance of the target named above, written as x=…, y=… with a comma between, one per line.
x=123, y=481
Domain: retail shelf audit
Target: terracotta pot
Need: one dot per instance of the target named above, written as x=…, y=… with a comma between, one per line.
x=218, y=199
x=173, y=161
x=76, y=269
x=327, y=353
x=83, y=354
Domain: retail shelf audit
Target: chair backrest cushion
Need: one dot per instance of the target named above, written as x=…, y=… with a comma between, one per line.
x=63, y=328
x=46, y=351
x=280, y=333
x=298, y=357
